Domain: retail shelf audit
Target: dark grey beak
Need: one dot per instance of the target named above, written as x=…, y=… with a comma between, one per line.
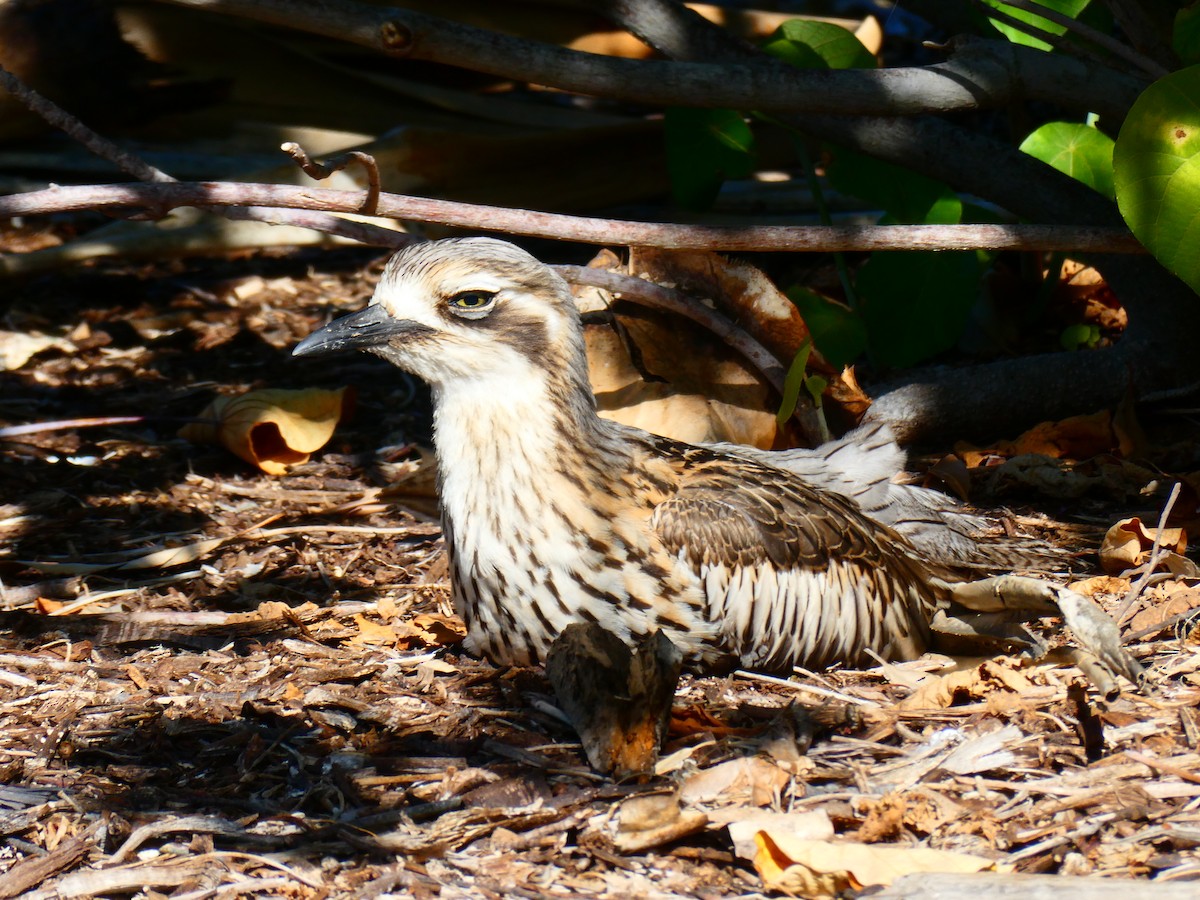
x=362, y=330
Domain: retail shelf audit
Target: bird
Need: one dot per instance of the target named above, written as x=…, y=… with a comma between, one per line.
x=553, y=515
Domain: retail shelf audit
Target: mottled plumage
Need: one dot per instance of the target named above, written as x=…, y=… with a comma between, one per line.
x=553, y=515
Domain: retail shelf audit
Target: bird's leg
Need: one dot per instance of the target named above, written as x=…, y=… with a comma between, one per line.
x=1100, y=653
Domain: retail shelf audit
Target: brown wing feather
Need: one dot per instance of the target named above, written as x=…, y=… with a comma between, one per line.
x=796, y=575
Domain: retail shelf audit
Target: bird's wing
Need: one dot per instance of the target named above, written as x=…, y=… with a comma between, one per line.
x=795, y=574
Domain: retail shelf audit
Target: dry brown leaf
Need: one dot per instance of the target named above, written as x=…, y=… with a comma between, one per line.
x=1168, y=599
x=745, y=823
x=1079, y=437
x=17, y=347
x=941, y=691
x=439, y=631
x=1089, y=296
x=748, y=779
x=373, y=633
x=1101, y=584
x=1129, y=543
x=743, y=293
x=658, y=371
x=273, y=429
x=826, y=868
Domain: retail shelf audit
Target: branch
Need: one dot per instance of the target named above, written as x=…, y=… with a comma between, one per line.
x=558, y=226
x=983, y=74
x=647, y=293
x=127, y=162
x=993, y=398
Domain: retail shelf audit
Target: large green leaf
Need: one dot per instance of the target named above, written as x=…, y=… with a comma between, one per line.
x=704, y=147
x=1071, y=8
x=1185, y=38
x=818, y=45
x=837, y=331
x=1075, y=149
x=916, y=305
x=904, y=195
x=1157, y=172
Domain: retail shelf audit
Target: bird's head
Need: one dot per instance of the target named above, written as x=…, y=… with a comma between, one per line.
x=463, y=310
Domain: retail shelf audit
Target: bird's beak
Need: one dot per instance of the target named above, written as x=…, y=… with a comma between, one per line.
x=362, y=330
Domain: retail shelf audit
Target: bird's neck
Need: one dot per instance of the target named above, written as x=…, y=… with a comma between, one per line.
x=498, y=435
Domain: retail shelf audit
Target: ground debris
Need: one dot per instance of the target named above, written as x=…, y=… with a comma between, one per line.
x=274, y=701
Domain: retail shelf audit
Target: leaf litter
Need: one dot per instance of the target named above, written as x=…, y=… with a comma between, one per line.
x=274, y=702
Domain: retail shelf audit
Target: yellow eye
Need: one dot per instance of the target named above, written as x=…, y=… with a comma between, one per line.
x=472, y=300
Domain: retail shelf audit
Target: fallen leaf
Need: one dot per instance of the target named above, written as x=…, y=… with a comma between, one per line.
x=1168, y=599
x=273, y=429
x=372, y=633
x=940, y=691
x=745, y=823
x=1129, y=543
x=17, y=347
x=1089, y=297
x=748, y=779
x=660, y=371
x=1101, y=584
x=439, y=631
x=826, y=868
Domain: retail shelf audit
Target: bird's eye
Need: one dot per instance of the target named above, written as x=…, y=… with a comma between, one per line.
x=471, y=301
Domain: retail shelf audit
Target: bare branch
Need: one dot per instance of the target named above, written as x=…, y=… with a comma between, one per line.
x=573, y=228
x=981, y=74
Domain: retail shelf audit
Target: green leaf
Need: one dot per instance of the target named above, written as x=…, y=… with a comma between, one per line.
x=704, y=147
x=906, y=196
x=792, y=383
x=1071, y=8
x=1074, y=337
x=1185, y=39
x=1077, y=150
x=818, y=45
x=815, y=385
x=916, y=305
x=1157, y=172
x=837, y=331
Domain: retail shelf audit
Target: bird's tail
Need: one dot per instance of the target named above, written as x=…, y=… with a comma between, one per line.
x=865, y=464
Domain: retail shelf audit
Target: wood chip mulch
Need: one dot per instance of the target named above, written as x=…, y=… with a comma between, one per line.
x=284, y=710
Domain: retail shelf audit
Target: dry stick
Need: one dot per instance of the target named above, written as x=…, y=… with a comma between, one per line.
x=1164, y=625
x=12, y=431
x=55, y=115
x=129, y=163
x=1152, y=563
x=656, y=296
x=1091, y=35
x=557, y=226
x=318, y=171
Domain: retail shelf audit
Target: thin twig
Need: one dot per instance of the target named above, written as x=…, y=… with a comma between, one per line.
x=1164, y=625
x=646, y=293
x=320, y=171
x=1155, y=554
x=12, y=431
x=58, y=117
